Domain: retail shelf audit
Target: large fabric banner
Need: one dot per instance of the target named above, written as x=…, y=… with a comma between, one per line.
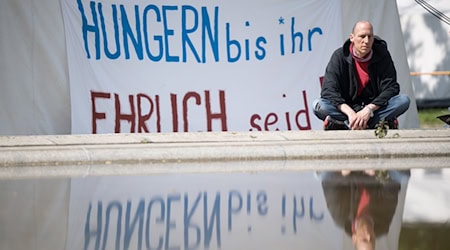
x=187, y=66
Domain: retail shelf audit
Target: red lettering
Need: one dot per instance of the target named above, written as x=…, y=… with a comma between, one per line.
x=188, y=96
x=158, y=115
x=173, y=102
x=303, y=111
x=253, y=123
x=144, y=108
x=273, y=118
x=131, y=118
x=142, y=118
x=288, y=121
x=96, y=115
x=222, y=115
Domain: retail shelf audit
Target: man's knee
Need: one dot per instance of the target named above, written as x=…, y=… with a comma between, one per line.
x=403, y=101
x=318, y=109
x=316, y=105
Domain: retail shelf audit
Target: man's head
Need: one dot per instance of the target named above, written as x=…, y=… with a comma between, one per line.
x=364, y=236
x=362, y=38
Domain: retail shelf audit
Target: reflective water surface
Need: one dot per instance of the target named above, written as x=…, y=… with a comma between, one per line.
x=268, y=210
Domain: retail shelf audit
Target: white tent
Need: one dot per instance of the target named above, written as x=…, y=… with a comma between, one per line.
x=427, y=44
x=34, y=79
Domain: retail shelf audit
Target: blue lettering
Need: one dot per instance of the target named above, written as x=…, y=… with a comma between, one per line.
x=127, y=33
x=310, y=34
x=167, y=33
x=232, y=43
x=105, y=36
x=249, y=202
x=159, y=220
x=312, y=215
x=159, y=223
x=88, y=232
x=294, y=35
x=214, y=219
x=231, y=208
x=188, y=213
x=296, y=213
x=158, y=39
x=129, y=227
x=90, y=28
x=213, y=37
x=185, y=31
x=283, y=206
x=169, y=223
x=282, y=44
x=261, y=199
x=261, y=52
x=118, y=206
x=140, y=34
x=194, y=23
x=161, y=213
x=247, y=45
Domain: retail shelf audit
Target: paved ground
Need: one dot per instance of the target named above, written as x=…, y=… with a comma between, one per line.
x=71, y=155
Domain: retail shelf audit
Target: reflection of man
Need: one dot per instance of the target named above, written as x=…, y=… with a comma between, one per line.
x=363, y=236
x=361, y=204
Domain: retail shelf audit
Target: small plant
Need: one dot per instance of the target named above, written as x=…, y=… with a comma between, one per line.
x=382, y=176
x=381, y=129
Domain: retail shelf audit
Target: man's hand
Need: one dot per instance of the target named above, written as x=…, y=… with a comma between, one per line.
x=360, y=119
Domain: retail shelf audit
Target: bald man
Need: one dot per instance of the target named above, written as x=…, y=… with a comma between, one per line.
x=360, y=85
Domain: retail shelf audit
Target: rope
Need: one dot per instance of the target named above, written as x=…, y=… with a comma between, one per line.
x=441, y=16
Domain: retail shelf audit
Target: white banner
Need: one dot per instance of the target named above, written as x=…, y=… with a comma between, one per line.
x=174, y=66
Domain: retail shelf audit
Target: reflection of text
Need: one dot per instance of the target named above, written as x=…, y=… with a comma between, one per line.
x=189, y=221
x=151, y=224
x=299, y=208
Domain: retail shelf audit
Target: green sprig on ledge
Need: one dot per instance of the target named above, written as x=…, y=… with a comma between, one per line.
x=381, y=129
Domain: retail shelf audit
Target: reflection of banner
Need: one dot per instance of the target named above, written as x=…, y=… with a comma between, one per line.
x=167, y=66
x=204, y=211
x=222, y=211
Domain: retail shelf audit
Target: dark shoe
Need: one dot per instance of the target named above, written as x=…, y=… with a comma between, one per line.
x=393, y=124
x=332, y=124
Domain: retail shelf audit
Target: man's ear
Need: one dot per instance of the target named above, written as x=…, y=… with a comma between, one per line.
x=354, y=238
x=351, y=37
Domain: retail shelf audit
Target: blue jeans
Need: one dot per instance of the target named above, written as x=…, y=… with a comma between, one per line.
x=396, y=106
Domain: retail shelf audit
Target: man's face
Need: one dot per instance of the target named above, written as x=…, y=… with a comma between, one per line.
x=364, y=237
x=362, y=38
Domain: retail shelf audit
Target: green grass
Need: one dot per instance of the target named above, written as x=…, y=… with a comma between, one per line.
x=427, y=117
x=424, y=237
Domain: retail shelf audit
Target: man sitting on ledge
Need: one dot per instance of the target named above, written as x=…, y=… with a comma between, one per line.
x=360, y=85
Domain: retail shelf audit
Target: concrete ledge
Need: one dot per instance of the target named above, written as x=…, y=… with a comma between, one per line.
x=124, y=154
